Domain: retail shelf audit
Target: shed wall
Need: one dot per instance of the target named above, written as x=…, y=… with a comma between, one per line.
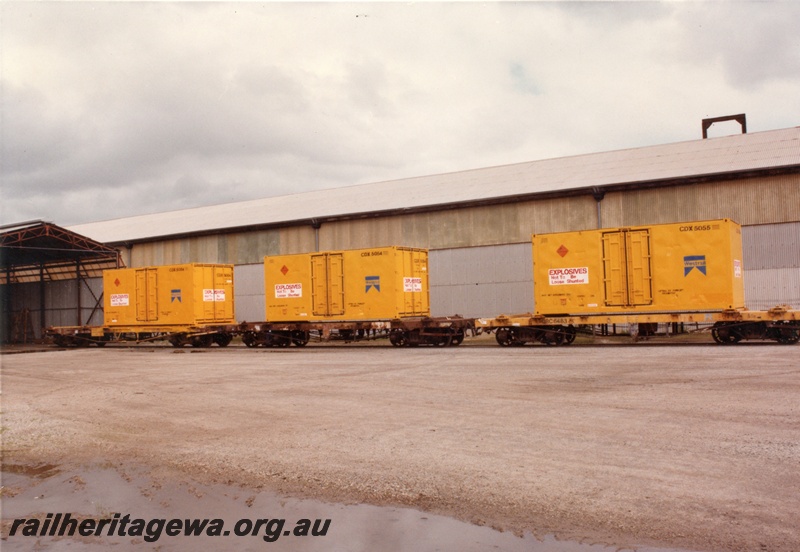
x=481, y=281
x=772, y=246
x=250, y=301
x=60, y=301
x=767, y=200
x=245, y=247
x=772, y=265
x=764, y=289
x=755, y=201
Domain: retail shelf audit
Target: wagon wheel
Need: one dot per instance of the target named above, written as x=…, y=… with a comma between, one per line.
x=250, y=340
x=398, y=338
x=505, y=336
x=724, y=334
x=444, y=340
x=458, y=338
x=300, y=338
x=788, y=335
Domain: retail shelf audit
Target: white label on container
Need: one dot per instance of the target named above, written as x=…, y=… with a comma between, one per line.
x=412, y=284
x=565, y=276
x=120, y=300
x=737, y=269
x=282, y=291
x=213, y=295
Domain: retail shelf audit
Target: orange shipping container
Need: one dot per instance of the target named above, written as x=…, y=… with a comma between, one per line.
x=186, y=295
x=362, y=284
x=692, y=266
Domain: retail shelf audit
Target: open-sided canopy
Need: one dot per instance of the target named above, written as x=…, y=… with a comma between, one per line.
x=36, y=250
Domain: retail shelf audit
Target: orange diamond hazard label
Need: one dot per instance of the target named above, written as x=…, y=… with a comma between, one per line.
x=117, y=282
x=562, y=250
x=284, y=269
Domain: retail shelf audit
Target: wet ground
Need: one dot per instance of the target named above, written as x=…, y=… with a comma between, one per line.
x=679, y=447
x=101, y=491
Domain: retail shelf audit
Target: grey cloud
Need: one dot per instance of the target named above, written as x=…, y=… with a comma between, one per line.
x=755, y=42
x=36, y=136
x=118, y=109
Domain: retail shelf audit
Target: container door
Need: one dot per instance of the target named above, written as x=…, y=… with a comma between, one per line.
x=640, y=278
x=146, y=295
x=614, y=268
x=208, y=305
x=327, y=284
x=414, y=282
x=407, y=274
x=627, y=273
x=217, y=293
x=319, y=285
x=223, y=294
x=419, y=260
x=335, y=284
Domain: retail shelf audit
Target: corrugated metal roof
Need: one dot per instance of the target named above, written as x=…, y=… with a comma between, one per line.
x=696, y=158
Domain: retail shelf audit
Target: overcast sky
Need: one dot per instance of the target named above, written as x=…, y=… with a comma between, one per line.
x=118, y=109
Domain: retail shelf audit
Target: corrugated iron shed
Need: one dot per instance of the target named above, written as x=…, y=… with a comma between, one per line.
x=34, y=256
x=41, y=251
x=715, y=158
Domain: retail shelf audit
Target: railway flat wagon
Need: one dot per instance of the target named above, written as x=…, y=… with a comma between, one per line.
x=688, y=272
x=184, y=304
x=351, y=294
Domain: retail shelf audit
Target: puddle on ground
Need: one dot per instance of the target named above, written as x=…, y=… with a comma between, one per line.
x=42, y=471
x=101, y=492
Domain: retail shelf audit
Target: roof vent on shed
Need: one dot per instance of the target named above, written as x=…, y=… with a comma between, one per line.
x=740, y=118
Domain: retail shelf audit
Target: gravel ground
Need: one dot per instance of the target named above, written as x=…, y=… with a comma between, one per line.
x=689, y=446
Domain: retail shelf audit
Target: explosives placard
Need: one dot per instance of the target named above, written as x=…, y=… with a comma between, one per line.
x=412, y=284
x=566, y=276
x=282, y=291
x=214, y=295
x=120, y=300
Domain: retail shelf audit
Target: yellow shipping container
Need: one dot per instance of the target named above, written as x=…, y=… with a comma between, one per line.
x=692, y=266
x=361, y=284
x=184, y=295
